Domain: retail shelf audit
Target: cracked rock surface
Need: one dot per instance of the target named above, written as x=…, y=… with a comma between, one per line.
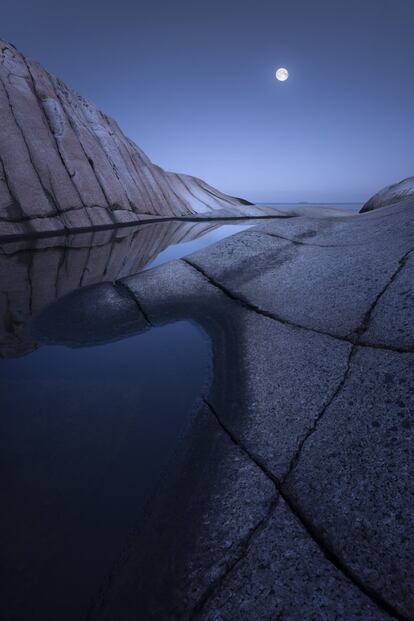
x=358, y=492
x=210, y=466
x=306, y=586
x=291, y=496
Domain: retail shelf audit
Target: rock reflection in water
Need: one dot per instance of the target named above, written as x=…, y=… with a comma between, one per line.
x=35, y=272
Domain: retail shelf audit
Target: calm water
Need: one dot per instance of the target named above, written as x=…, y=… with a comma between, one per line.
x=85, y=436
x=86, y=433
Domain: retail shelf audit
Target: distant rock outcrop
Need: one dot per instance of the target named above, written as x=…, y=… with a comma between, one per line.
x=390, y=195
x=66, y=165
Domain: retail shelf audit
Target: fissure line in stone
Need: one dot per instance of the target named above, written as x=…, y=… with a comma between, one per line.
x=256, y=309
x=311, y=530
x=368, y=315
x=124, y=289
x=51, y=199
x=313, y=427
x=245, y=543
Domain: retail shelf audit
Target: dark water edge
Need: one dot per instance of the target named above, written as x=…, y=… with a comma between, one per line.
x=85, y=436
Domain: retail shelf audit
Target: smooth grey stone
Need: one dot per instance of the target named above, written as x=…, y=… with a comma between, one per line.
x=97, y=314
x=354, y=477
x=392, y=321
x=199, y=523
x=285, y=576
x=321, y=274
x=324, y=289
x=390, y=195
x=387, y=227
x=268, y=411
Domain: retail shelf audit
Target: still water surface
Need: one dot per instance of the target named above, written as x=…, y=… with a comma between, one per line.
x=85, y=436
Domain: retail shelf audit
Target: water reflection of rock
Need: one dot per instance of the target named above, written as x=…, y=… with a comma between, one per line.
x=35, y=272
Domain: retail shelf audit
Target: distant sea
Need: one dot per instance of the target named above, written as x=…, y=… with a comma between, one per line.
x=348, y=206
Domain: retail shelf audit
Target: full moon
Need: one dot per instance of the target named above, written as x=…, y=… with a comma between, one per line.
x=282, y=74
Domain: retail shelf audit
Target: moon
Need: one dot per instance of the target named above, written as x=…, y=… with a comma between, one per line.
x=282, y=74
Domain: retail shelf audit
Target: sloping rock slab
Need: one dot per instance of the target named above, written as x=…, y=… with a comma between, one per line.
x=390, y=195
x=65, y=165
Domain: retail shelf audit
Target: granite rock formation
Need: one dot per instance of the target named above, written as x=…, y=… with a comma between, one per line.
x=291, y=496
x=65, y=165
x=391, y=195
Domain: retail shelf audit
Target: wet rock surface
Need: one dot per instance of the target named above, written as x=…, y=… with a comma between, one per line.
x=291, y=496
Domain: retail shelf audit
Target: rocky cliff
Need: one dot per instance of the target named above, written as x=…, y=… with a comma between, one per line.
x=390, y=195
x=64, y=164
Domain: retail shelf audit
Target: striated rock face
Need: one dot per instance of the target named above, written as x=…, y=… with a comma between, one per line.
x=66, y=165
x=390, y=195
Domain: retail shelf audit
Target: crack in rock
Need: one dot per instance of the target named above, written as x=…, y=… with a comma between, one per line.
x=123, y=289
x=298, y=242
x=325, y=548
x=256, y=309
x=54, y=138
x=50, y=198
x=368, y=315
x=245, y=546
x=295, y=459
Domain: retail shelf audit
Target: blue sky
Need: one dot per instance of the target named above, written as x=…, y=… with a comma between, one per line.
x=193, y=84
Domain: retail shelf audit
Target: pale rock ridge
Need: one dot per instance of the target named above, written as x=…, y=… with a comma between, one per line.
x=390, y=195
x=64, y=164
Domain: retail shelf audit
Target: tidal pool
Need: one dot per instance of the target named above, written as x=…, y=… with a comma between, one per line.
x=85, y=436
x=86, y=433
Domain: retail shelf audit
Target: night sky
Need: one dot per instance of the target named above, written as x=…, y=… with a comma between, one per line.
x=193, y=84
